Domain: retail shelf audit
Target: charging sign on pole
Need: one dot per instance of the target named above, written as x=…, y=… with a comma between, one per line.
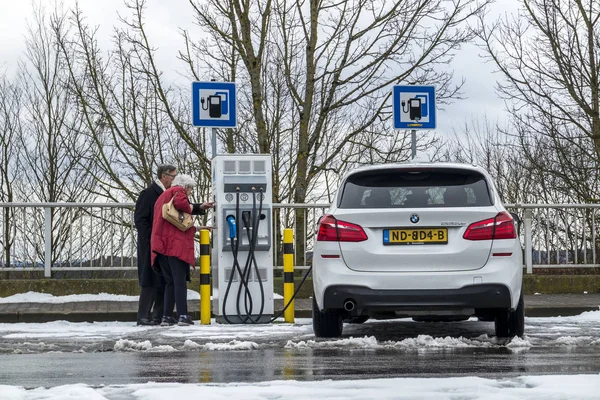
x=414, y=107
x=214, y=104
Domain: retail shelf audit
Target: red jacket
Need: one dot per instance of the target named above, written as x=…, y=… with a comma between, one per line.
x=166, y=239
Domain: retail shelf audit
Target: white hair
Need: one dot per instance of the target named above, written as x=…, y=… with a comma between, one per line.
x=184, y=180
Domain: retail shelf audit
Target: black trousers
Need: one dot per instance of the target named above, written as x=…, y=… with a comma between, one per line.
x=174, y=271
x=151, y=303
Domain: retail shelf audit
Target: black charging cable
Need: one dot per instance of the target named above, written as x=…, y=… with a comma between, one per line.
x=244, y=274
x=235, y=245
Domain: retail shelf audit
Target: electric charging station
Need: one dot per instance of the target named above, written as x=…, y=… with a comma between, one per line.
x=242, y=238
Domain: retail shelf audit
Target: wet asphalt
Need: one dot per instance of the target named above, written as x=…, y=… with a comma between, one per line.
x=49, y=370
x=376, y=349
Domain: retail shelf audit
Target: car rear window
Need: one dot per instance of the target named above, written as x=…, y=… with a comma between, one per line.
x=417, y=188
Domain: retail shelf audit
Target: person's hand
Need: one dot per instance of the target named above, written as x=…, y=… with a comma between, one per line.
x=198, y=228
x=207, y=205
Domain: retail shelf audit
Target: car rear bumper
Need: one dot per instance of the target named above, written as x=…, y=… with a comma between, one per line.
x=472, y=296
x=498, y=272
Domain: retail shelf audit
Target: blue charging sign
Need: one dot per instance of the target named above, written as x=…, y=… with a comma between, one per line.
x=214, y=104
x=414, y=107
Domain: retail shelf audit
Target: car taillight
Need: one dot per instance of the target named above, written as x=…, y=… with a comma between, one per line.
x=499, y=227
x=333, y=230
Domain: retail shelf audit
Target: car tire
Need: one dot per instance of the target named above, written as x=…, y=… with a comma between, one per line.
x=516, y=320
x=327, y=323
x=511, y=323
x=501, y=323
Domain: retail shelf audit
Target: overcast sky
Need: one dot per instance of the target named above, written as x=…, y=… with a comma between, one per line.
x=165, y=18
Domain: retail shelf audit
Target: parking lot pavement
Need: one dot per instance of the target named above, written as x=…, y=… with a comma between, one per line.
x=539, y=305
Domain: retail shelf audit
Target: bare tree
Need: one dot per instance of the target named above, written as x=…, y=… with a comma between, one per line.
x=132, y=118
x=50, y=138
x=548, y=56
x=338, y=61
x=10, y=168
x=484, y=143
x=117, y=106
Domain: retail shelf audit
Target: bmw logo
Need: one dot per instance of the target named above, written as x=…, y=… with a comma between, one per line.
x=414, y=218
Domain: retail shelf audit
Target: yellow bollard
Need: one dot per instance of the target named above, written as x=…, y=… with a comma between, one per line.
x=205, y=277
x=288, y=274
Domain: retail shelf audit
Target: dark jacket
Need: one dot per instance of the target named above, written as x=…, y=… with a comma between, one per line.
x=143, y=216
x=168, y=239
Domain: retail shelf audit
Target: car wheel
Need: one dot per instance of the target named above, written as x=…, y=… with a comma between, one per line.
x=501, y=323
x=326, y=323
x=361, y=319
x=511, y=323
x=516, y=320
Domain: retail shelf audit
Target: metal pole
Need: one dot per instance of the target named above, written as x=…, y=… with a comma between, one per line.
x=528, y=242
x=213, y=132
x=413, y=143
x=48, y=241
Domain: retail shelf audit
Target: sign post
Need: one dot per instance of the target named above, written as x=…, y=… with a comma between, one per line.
x=214, y=106
x=414, y=108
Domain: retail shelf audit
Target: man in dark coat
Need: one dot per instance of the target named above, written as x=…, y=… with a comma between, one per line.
x=152, y=285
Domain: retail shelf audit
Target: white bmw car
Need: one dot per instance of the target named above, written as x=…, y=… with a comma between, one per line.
x=430, y=241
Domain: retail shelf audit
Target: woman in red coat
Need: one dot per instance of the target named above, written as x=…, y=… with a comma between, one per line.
x=173, y=250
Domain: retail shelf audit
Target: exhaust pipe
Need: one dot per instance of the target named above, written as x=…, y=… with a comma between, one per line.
x=349, y=305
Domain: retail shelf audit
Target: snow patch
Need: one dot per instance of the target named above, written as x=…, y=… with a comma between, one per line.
x=573, y=341
x=421, y=341
x=360, y=343
x=191, y=345
x=518, y=342
x=572, y=387
x=426, y=341
x=233, y=345
x=131, y=345
x=46, y=298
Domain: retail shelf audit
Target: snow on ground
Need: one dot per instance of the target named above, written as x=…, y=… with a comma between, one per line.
x=108, y=330
x=572, y=387
x=35, y=297
x=581, y=330
x=123, y=337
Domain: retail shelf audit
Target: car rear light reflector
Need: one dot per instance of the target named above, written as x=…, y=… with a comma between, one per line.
x=330, y=256
x=333, y=230
x=501, y=254
x=499, y=227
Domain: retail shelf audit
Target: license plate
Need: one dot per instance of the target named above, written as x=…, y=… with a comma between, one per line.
x=415, y=236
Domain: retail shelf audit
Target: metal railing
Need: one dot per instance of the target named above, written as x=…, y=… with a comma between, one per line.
x=559, y=235
x=98, y=236
x=102, y=236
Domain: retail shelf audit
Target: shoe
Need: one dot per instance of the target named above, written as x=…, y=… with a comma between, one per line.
x=168, y=321
x=145, y=322
x=184, y=320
